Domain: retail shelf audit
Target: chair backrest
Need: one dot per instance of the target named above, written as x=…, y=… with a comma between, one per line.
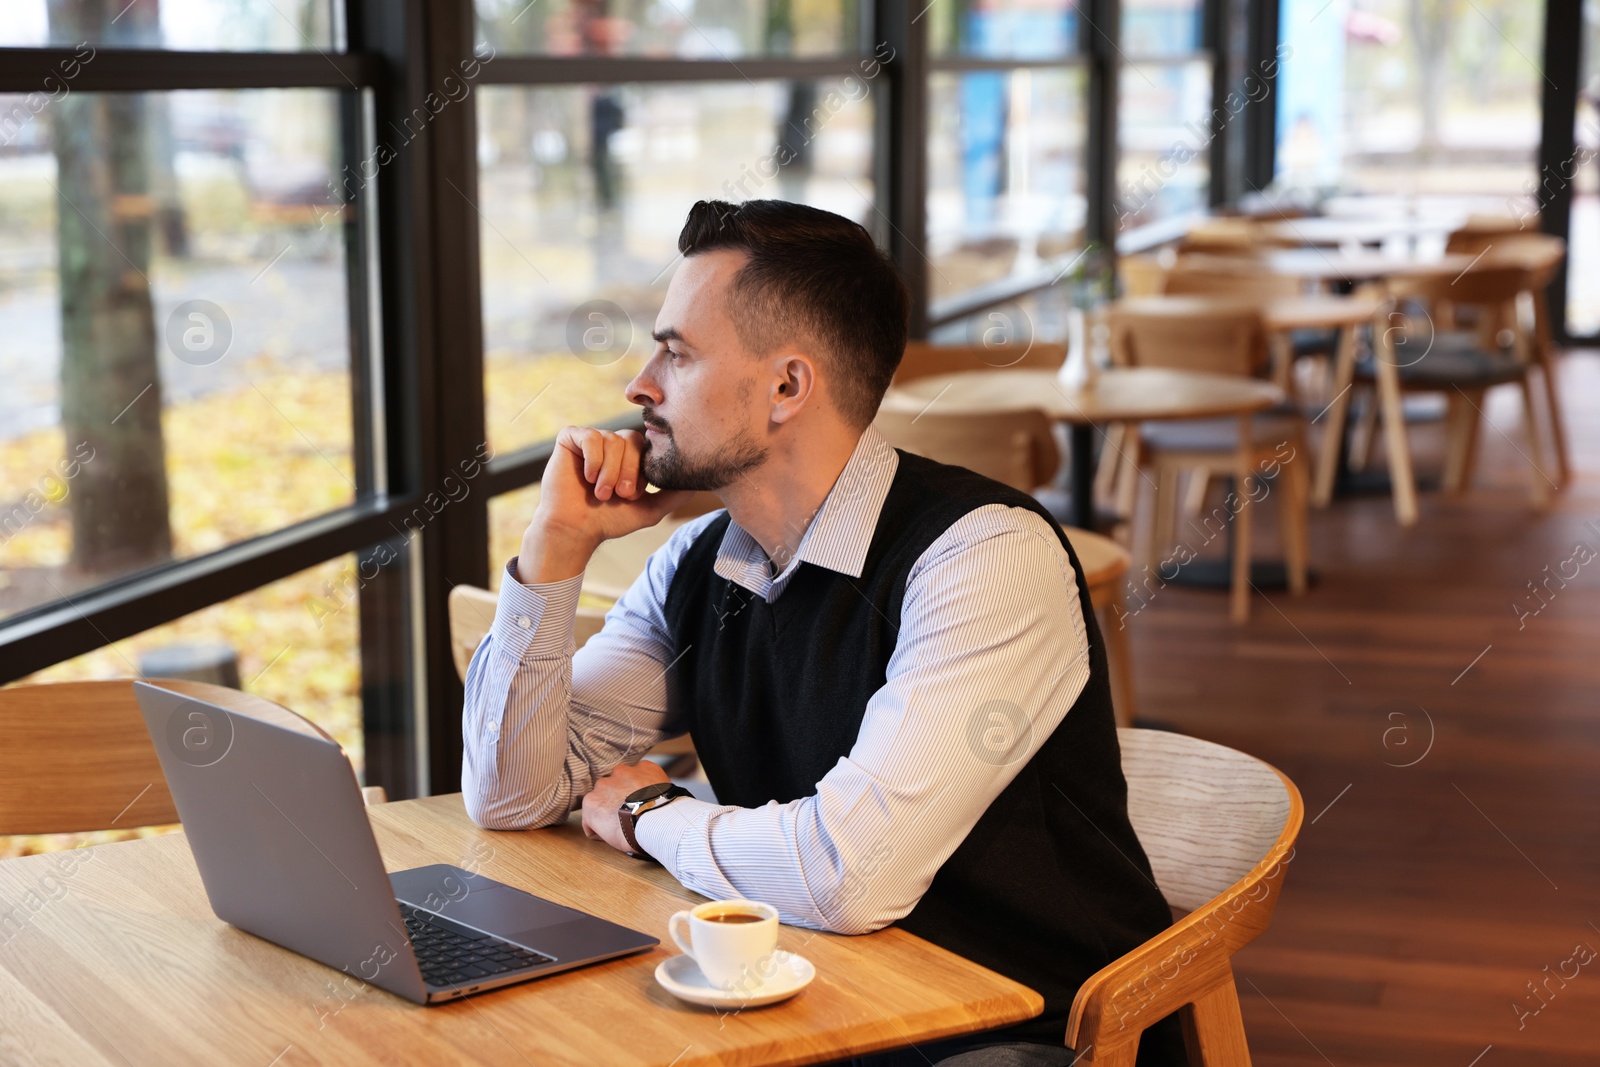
x=1014, y=447
x=1144, y=274
x=76, y=757
x=1540, y=253
x=1219, y=828
x=1490, y=285
x=616, y=563
x=1233, y=236
x=1205, y=814
x=472, y=613
x=1102, y=559
x=1188, y=333
x=1480, y=231
x=1188, y=279
x=923, y=360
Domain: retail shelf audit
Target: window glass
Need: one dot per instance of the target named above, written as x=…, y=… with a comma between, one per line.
x=191, y=25
x=1002, y=29
x=1583, y=238
x=680, y=29
x=1163, y=139
x=1005, y=175
x=1161, y=27
x=174, y=332
x=1402, y=99
x=583, y=190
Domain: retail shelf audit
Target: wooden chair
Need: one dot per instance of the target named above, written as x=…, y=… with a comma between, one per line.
x=1105, y=563
x=1248, y=282
x=472, y=614
x=1145, y=274
x=1219, y=337
x=1219, y=828
x=618, y=562
x=1462, y=366
x=923, y=359
x=1234, y=236
x=1541, y=254
x=76, y=757
x=1016, y=448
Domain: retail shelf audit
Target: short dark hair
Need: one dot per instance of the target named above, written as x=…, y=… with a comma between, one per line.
x=813, y=275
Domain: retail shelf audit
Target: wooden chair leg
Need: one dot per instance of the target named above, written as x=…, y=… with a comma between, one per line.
x=1392, y=406
x=1333, y=420
x=1366, y=433
x=1539, y=484
x=1558, y=426
x=1131, y=473
x=1239, y=609
x=1294, y=502
x=1213, y=1028
x=1111, y=462
x=1461, y=434
x=1545, y=356
x=1113, y=630
x=1163, y=518
x=1194, y=495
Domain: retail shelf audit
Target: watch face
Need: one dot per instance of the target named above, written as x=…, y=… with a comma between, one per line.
x=649, y=792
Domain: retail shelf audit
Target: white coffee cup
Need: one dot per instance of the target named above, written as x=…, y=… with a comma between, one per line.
x=737, y=955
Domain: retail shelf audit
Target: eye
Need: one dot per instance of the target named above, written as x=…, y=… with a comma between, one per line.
x=674, y=355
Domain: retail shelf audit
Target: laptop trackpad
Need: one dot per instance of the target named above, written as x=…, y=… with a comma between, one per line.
x=479, y=902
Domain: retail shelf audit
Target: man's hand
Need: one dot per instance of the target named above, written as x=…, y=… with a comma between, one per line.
x=600, y=806
x=593, y=490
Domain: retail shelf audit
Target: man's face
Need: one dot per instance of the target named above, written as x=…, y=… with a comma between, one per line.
x=705, y=420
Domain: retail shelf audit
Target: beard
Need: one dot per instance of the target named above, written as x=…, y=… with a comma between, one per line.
x=666, y=467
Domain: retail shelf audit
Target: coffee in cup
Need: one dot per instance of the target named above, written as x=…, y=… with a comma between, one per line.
x=732, y=941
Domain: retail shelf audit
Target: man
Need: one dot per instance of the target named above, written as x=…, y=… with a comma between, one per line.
x=889, y=667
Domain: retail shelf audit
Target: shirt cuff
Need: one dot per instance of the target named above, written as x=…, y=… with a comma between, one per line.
x=535, y=620
x=660, y=831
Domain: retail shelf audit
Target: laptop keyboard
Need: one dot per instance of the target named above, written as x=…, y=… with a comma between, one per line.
x=450, y=957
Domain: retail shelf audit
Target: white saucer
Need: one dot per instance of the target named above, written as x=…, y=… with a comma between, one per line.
x=682, y=977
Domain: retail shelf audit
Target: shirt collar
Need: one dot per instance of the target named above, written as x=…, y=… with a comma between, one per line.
x=839, y=534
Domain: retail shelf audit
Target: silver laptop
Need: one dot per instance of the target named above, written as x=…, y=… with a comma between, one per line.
x=276, y=822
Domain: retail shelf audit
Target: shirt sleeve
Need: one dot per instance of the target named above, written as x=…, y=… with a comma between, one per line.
x=543, y=719
x=992, y=653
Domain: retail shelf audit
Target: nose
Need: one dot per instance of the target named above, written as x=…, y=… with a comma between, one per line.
x=643, y=390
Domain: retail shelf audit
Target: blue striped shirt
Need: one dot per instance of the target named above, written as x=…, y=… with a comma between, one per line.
x=991, y=613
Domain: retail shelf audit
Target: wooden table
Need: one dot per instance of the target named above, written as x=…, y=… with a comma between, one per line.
x=1319, y=265
x=1135, y=394
x=1336, y=230
x=112, y=956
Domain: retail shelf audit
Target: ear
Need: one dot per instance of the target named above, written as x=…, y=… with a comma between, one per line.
x=793, y=385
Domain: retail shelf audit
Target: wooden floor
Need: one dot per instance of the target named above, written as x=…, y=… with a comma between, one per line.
x=1449, y=756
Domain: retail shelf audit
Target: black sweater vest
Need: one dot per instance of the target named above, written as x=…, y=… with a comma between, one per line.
x=1051, y=884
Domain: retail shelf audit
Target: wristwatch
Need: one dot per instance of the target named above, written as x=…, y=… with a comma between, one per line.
x=640, y=801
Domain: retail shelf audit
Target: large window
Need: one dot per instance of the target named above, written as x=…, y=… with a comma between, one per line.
x=294, y=294
x=1403, y=99
x=176, y=335
x=1007, y=120
x=1165, y=120
x=192, y=25
x=196, y=432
